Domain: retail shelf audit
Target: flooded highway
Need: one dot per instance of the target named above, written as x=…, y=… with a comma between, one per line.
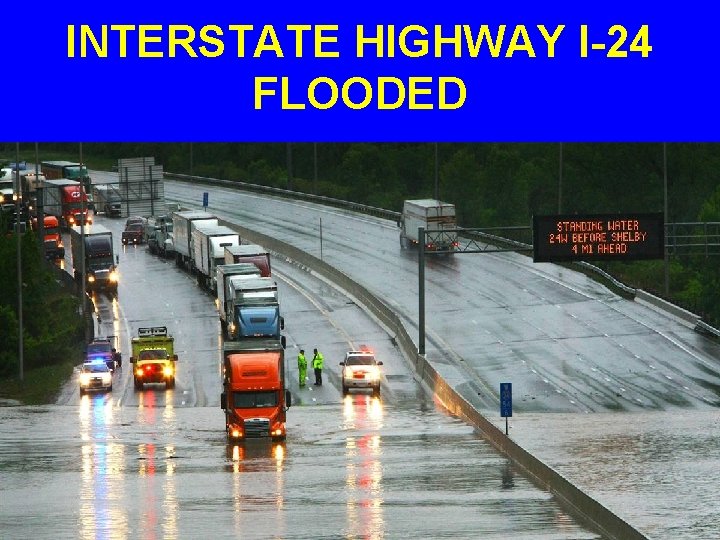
x=354, y=469
x=155, y=463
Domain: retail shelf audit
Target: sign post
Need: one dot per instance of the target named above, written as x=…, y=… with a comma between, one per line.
x=506, y=402
x=205, y=200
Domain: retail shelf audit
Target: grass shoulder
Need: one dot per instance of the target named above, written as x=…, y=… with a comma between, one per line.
x=39, y=387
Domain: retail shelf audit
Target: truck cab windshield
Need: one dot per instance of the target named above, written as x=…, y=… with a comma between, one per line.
x=153, y=354
x=249, y=400
x=99, y=263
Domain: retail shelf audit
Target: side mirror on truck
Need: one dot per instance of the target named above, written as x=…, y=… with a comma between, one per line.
x=132, y=359
x=223, y=401
x=175, y=357
x=288, y=399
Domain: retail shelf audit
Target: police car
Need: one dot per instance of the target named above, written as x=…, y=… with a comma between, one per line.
x=360, y=370
x=95, y=375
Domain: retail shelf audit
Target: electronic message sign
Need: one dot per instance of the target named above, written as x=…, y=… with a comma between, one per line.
x=598, y=237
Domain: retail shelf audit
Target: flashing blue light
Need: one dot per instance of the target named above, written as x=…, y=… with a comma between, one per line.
x=97, y=360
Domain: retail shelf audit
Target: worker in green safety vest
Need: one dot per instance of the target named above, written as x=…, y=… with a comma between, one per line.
x=302, y=367
x=317, y=363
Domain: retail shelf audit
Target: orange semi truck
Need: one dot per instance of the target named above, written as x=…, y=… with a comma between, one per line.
x=54, y=248
x=254, y=396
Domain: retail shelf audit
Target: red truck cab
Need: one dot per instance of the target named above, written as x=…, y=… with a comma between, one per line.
x=254, y=396
x=54, y=248
x=73, y=211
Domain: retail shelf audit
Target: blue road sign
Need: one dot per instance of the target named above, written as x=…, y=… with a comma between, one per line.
x=205, y=199
x=505, y=399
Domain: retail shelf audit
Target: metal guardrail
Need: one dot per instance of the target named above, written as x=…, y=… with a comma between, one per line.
x=298, y=195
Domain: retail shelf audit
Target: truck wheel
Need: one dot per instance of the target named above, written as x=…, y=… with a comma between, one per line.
x=376, y=391
x=345, y=390
x=138, y=385
x=81, y=391
x=170, y=383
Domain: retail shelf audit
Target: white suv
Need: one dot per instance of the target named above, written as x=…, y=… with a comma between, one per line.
x=95, y=376
x=360, y=370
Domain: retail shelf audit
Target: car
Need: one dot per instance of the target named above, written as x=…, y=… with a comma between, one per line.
x=360, y=370
x=134, y=233
x=101, y=350
x=95, y=375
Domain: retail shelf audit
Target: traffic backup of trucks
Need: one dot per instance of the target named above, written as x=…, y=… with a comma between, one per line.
x=99, y=257
x=153, y=357
x=434, y=216
x=254, y=397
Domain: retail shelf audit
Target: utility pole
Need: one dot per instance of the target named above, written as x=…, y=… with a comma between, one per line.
x=39, y=204
x=288, y=148
x=83, y=277
x=560, y=180
x=665, y=251
x=18, y=195
x=314, y=168
x=437, y=174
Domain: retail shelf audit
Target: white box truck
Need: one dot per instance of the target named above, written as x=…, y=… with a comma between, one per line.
x=438, y=220
x=209, y=243
x=182, y=233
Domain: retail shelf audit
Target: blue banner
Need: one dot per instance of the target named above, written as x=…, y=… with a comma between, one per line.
x=376, y=71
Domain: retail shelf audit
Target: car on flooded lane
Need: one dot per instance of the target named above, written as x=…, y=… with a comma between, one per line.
x=95, y=375
x=360, y=369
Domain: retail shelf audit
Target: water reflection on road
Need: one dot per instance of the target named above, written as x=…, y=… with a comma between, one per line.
x=103, y=469
x=359, y=468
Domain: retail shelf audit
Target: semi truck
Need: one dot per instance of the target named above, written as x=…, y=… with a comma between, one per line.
x=254, y=396
x=226, y=272
x=183, y=223
x=31, y=181
x=54, y=248
x=100, y=262
x=71, y=170
x=209, y=243
x=159, y=235
x=65, y=200
x=252, y=309
x=107, y=199
x=249, y=253
x=153, y=357
x=432, y=215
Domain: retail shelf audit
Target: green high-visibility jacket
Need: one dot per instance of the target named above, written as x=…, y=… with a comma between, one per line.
x=302, y=362
x=318, y=361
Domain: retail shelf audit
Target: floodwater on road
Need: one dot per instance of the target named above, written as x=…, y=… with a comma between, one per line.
x=355, y=469
x=657, y=470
